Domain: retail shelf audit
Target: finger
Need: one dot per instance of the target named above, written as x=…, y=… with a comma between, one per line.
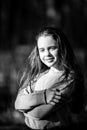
x=57, y=97
x=52, y=103
x=55, y=101
x=57, y=93
x=55, y=89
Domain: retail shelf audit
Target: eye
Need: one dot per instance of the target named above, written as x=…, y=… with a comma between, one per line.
x=53, y=48
x=41, y=50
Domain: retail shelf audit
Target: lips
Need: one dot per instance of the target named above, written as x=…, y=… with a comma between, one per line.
x=49, y=59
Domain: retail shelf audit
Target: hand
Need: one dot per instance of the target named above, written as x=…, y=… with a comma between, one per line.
x=53, y=96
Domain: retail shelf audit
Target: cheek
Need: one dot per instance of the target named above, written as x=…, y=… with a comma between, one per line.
x=55, y=54
x=41, y=56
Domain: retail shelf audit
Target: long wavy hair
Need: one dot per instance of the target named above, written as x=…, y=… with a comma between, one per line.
x=66, y=57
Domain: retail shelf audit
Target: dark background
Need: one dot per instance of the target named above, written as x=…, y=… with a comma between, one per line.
x=20, y=20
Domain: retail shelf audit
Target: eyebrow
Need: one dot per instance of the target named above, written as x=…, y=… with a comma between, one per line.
x=40, y=48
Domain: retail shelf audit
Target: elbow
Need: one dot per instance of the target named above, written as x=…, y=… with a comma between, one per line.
x=20, y=106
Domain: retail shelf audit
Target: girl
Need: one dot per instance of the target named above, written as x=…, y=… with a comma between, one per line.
x=50, y=82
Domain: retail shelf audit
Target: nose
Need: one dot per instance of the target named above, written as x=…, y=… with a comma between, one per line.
x=47, y=52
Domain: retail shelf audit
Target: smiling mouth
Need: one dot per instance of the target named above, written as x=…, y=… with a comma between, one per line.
x=49, y=60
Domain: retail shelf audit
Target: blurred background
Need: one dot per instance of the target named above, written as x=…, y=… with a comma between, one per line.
x=20, y=20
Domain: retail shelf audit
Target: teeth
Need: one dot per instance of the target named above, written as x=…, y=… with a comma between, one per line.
x=49, y=60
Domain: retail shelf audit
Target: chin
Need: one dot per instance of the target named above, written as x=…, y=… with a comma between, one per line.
x=49, y=65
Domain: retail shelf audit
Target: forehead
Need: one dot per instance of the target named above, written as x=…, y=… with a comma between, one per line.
x=45, y=41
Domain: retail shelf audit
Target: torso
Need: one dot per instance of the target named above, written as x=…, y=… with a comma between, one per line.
x=48, y=79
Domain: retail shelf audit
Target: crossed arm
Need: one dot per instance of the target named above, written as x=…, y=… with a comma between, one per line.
x=26, y=101
x=39, y=104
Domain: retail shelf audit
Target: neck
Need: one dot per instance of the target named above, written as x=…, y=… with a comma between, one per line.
x=54, y=69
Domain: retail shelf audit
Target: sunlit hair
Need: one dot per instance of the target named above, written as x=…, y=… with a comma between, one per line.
x=66, y=58
x=65, y=53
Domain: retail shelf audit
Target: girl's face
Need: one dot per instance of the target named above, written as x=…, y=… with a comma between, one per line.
x=48, y=50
